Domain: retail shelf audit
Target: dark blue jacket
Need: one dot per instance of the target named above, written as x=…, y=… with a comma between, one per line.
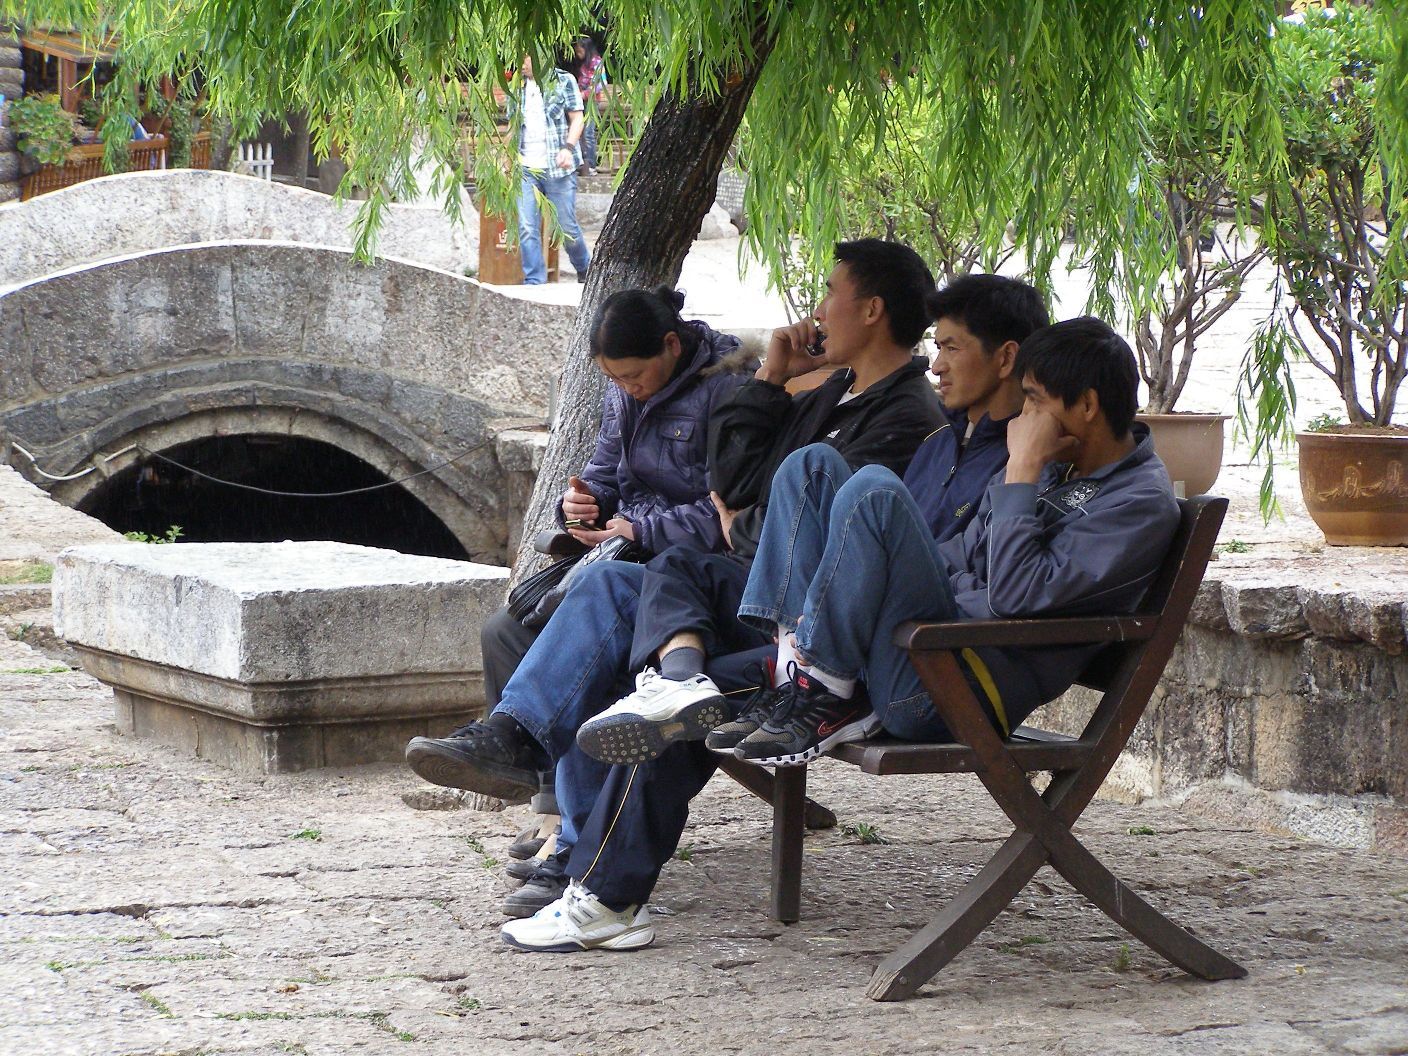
x=650, y=463
x=1079, y=547
x=948, y=477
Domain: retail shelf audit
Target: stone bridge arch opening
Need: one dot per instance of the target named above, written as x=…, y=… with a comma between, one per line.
x=152, y=494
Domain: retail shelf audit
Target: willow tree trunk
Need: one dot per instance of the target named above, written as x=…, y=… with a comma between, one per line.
x=669, y=185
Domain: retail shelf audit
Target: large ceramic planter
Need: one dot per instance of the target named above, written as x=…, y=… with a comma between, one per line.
x=1190, y=446
x=1356, y=486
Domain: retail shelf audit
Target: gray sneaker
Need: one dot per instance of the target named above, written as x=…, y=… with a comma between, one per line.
x=543, y=888
x=756, y=710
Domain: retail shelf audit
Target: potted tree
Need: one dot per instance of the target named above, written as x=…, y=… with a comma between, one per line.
x=1180, y=283
x=1334, y=223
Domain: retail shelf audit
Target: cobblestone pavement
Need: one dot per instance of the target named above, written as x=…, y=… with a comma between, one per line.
x=159, y=904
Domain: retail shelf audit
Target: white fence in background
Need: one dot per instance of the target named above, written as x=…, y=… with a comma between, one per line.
x=256, y=159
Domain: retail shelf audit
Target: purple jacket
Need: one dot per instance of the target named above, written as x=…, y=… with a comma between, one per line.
x=650, y=464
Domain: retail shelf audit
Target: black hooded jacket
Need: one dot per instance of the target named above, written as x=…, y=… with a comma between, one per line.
x=760, y=424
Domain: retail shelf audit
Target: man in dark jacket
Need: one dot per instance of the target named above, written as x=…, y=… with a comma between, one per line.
x=1078, y=522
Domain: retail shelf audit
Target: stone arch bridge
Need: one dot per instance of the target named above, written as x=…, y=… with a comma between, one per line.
x=401, y=366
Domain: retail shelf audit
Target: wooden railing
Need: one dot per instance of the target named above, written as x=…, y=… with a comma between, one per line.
x=85, y=162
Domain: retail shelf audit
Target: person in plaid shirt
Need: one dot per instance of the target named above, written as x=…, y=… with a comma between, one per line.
x=548, y=151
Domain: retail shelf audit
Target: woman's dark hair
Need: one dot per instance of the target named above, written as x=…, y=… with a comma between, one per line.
x=632, y=324
x=589, y=46
x=1069, y=358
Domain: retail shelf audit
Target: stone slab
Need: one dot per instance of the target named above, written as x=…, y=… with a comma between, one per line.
x=279, y=657
x=276, y=612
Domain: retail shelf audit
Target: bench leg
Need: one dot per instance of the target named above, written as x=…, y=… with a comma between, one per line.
x=975, y=907
x=759, y=781
x=789, y=795
x=1087, y=875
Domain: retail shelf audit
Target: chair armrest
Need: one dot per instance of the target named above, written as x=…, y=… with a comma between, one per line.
x=1064, y=630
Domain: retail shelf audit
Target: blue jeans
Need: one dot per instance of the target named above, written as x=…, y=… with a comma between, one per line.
x=845, y=557
x=561, y=191
x=577, y=667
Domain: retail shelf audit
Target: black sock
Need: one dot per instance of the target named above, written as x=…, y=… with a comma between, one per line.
x=680, y=664
x=515, y=731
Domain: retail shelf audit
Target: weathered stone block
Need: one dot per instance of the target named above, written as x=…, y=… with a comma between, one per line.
x=283, y=656
x=1208, y=609
x=1265, y=611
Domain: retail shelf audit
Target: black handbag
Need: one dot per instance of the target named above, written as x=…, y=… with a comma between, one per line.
x=533, y=601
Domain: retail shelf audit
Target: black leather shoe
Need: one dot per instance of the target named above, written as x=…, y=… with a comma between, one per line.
x=480, y=759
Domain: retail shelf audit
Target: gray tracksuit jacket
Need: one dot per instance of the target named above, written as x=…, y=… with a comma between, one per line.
x=1079, y=547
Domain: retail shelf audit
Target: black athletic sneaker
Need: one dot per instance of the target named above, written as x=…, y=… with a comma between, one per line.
x=815, y=722
x=481, y=759
x=756, y=710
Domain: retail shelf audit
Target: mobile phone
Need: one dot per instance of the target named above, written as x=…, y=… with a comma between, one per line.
x=815, y=350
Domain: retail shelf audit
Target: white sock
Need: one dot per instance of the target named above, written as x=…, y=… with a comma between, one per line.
x=786, y=657
x=845, y=688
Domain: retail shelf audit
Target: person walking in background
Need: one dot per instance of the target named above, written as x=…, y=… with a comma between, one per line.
x=591, y=82
x=549, y=153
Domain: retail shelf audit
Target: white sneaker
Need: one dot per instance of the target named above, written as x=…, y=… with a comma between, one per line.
x=579, y=921
x=641, y=725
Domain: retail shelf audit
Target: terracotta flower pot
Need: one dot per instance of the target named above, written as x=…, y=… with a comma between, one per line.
x=1190, y=446
x=1356, y=486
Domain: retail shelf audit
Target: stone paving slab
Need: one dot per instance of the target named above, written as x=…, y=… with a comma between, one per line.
x=159, y=904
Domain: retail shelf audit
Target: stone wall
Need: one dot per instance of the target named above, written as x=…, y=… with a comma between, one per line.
x=1290, y=689
x=404, y=367
x=137, y=212
x=12, y=88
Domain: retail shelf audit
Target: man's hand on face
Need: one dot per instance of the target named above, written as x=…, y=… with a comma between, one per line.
x=788, y=353
x=1035, y=438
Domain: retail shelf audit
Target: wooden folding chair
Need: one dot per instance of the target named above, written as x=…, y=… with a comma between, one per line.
x=1127, y=672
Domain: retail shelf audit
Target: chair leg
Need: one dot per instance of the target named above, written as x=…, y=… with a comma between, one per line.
x=789, y=795
x=1087, y=875
x=975, y=907
x=760, y=782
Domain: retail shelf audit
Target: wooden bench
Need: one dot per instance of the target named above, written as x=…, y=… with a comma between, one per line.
x=1125, y=672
